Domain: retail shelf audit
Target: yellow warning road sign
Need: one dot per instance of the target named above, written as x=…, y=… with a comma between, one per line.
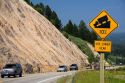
x=103, y=46
x=103, y=24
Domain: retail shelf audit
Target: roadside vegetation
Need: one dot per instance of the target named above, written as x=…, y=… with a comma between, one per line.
x=117, y=55
x=82, y=45
x=64, y=79
x=121, y=69
x=93, y=77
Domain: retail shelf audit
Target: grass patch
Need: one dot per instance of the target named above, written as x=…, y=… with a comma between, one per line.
x=93, y=77
x=63, y=80
x=87, y=77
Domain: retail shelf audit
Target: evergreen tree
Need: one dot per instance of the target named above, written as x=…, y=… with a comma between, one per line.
x=40, y=8
x=84, y=32
x=28, y=1
x=55, y=20
x=68, y=28
x=94, y=36
x=71, y=28
x=48, y=12
x=75, y=30
x=31, y=4
x=54, y=15
x=58, y=24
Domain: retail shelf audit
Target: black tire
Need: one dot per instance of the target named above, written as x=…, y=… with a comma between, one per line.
x=20, y=75
x=14, y=76
x=2, y=76
x=8, y=76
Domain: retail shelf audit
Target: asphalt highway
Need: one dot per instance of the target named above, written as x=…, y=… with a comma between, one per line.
x=37, y=78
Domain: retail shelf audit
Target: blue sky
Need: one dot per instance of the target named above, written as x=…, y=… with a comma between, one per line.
x=86, y=10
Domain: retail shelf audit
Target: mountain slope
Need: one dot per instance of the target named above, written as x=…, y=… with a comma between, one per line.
x=29, y=38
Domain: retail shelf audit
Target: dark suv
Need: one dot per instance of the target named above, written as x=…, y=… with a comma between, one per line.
x=73, y=67
x=11, y=70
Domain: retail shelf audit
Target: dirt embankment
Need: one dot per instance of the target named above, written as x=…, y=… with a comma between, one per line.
x=28, y=38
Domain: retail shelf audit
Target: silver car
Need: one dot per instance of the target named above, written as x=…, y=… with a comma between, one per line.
x=11, y=70
x=62, y=68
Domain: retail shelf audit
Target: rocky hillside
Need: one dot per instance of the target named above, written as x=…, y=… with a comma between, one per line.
x=28, y=38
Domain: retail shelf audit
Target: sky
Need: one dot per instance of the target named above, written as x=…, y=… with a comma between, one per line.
x=77, y=10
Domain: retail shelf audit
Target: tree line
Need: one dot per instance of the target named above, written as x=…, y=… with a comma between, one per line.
x=119, y=53
x=46, y=11
x=80, y=30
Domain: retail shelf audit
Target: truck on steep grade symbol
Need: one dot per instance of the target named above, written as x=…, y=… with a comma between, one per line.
x=102, y=22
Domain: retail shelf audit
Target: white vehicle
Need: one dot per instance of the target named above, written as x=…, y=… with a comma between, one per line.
x=62, y=68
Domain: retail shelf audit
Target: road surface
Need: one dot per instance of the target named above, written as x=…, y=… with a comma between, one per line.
x=38, y=78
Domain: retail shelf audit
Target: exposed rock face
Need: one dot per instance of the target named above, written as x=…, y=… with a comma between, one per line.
x=27, y=37
x=92, y=49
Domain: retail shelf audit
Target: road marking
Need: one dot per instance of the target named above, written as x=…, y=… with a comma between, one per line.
x=56, y=77
x=25, y=76
x=37, y=75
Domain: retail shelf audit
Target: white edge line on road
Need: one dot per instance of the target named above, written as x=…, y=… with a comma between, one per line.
x=56, y=77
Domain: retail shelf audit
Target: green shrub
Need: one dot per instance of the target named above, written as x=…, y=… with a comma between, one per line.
x=121, y=69
x=82, y=45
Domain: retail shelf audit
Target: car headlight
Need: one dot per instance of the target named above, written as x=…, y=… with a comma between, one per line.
x=3, y=70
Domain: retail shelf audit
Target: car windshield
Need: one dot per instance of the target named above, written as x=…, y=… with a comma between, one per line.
x=10, y=66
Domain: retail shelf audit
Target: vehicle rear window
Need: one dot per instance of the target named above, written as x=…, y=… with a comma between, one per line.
x=61, y=66
x=73, y=65
x=10, y=66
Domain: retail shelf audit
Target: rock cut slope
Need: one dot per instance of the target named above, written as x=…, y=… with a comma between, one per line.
x=27, y=37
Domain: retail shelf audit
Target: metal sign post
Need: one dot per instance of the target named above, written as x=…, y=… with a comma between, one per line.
x=102, y=68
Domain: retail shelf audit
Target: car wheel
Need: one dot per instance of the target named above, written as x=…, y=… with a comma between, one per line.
x=2, y=76
x=8, y=76
x=20, y=75
x=14, y=76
